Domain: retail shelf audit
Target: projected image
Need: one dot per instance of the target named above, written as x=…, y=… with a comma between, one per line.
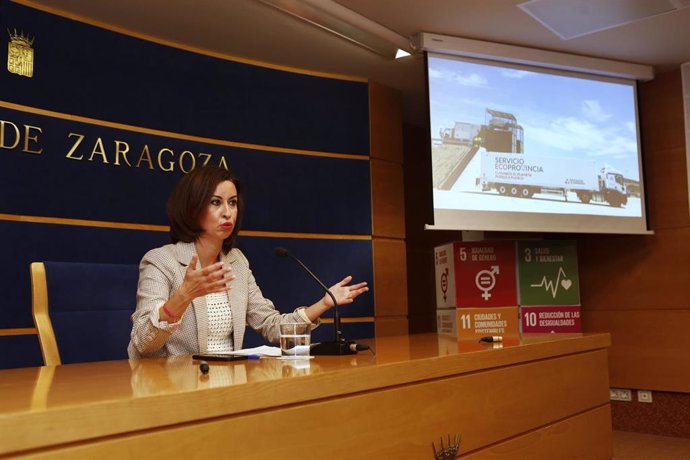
x=522, y=141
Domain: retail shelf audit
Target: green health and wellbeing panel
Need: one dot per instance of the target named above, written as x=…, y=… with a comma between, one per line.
x=548, y=273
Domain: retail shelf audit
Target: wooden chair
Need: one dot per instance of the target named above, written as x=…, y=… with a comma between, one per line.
x=82, y=310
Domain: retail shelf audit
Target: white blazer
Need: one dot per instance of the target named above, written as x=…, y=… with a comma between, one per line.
x=161, y=273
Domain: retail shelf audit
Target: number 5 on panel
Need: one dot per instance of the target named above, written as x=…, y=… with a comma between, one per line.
x=463, y=254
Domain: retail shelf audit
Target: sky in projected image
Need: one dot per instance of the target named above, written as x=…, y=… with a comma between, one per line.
x=562, y=116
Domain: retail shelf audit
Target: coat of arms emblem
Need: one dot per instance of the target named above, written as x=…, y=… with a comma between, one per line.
x=20, y=54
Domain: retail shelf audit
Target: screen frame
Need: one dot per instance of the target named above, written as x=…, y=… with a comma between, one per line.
x=476, y=220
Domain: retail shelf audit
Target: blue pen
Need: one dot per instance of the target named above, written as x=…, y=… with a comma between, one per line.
x=224, y=357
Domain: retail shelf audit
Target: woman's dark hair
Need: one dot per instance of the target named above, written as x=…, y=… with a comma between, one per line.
x=190, y=198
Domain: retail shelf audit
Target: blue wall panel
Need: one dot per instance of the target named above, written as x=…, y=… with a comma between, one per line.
x=305, y=194
x=280, y=279
x=64, y=243
x=20, y=351
x=120, y=78
x=285, y=192
x=85, y=71
x=331, y=260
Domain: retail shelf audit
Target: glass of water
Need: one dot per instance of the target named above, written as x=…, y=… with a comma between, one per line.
x=295, y=339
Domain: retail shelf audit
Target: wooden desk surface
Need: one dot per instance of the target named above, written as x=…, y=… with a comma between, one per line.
x=50, y=406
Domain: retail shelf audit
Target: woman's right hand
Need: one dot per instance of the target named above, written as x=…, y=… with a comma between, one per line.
x=201, y=281
x=196, y=283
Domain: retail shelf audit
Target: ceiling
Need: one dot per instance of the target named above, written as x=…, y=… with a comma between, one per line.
x=251, y=29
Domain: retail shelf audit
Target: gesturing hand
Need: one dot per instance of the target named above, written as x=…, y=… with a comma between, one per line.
x=343, y=293
x=199, y=282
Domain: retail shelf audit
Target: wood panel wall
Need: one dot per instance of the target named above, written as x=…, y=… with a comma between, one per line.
x=388, y=210
x=420, y=243
x=638, y=287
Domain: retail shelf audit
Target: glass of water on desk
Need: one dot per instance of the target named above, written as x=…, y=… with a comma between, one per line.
x=295, y=339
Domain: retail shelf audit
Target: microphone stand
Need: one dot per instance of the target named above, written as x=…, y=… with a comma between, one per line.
x=339, y=346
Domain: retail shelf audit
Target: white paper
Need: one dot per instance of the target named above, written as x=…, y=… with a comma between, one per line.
x=263, y=350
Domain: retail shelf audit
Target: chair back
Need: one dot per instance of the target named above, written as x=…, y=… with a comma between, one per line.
x=82, y=310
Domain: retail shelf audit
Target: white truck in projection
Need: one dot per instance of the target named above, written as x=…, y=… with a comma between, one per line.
x=523, y=176
x=461, y=133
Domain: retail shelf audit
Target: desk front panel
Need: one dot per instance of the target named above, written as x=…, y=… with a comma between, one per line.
x=416, y=389
x=485, y=408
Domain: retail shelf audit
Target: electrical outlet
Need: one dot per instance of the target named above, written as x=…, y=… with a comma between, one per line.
x=620, y=394
x=625, y=395
x=644, y=396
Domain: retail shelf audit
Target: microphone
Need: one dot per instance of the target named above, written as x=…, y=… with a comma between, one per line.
x=339, y=346
x=492, y=338
x=358, y=347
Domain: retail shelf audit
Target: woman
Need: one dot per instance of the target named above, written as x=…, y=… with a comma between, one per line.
x=197, y=294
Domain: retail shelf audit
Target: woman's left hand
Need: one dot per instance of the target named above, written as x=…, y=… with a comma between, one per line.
x=343, y=293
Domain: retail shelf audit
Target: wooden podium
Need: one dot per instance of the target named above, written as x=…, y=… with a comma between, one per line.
x=542, y=397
